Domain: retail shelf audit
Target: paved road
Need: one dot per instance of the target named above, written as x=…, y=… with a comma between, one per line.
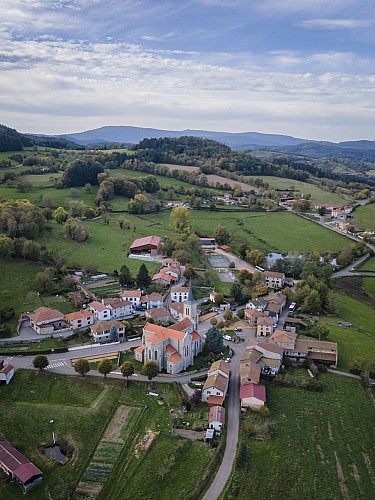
x=233, y=407
x=348, y=270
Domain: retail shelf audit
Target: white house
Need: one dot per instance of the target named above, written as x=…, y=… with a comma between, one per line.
x=180, y=293
x=154, y=300
x=133, y=296
x=80, y=320
x=100, y=311
x=273, y=279
x=252, y=396
x=217, y=382
x=216, y=418
x=265, y=326
x=119, y=308
x=257, y=304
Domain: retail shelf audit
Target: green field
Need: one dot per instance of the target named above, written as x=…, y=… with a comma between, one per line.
x=368, y=265
x=318, y=195
x=364, y=216
x=321, y=447
x=16, y=280
x=81, y=409
x=278, y=231
x=369, y=286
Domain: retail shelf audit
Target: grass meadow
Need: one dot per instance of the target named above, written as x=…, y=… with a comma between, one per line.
x=364, y=216
x=369, y=265
x=81, y=409
x=321, y=447
x=318, y=195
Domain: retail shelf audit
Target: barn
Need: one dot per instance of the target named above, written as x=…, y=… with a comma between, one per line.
x=18, y=467
x=149, y=245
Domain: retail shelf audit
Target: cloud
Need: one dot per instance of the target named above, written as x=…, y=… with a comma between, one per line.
x=336, y=24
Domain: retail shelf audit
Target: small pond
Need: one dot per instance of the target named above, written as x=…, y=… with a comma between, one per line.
x=55, y=453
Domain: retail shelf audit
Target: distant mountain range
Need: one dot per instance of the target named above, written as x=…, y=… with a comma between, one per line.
x=353, y=150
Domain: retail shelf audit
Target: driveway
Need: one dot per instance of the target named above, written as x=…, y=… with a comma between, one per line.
x=27, y=334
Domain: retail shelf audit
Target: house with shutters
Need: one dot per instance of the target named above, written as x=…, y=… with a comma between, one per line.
x=216, y=385
x=100, y=310
x=133, y=296
x=46, y=321
x=101, y=331
x=80, y=320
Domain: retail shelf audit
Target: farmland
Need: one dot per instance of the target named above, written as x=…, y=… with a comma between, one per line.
x=364, y=216
x=108, y=430
x=321, y=446
x=368, y=265
x=318, y=195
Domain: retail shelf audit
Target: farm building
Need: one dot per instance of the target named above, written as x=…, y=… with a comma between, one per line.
x=216, y=418
x=6, y=373
x=252, y=396
x=148, y=245
x=207, y=242
x=18, y=467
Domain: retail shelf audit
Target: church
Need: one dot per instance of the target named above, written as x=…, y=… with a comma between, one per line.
x=175, y=347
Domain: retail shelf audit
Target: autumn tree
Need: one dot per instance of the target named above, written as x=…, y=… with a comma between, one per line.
x=82, y=366
x=179, y=218
x=105, y=366
x=127, y=370
x=150, y=369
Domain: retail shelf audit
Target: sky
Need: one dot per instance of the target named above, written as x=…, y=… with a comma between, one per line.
x=304, y=68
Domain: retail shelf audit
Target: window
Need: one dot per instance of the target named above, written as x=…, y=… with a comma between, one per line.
x=156, y=355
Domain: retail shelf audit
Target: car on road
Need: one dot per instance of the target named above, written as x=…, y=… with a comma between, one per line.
x=227, y=360
x=238, y=329
x=233, y=308
x=227, y=337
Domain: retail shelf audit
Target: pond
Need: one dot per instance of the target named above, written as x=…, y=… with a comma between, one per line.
x=55, y=453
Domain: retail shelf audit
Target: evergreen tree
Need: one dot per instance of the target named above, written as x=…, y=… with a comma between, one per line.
x=125, y=278
x=143, y=277
x=113, y=334
x=214, y=341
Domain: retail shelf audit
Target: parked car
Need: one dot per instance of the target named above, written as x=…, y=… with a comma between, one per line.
x=238, y=329
x=139, y=308
x=233, y=308
x=227, y=360
x=227, y=337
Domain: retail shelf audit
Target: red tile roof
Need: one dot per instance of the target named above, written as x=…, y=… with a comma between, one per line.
x=170, y=349
x=153, y=241
x=160, y=333
x=182, y=325
x=217, y=414
x=7, y=369
x=175, y=358
x=215, y=400
x=78, y=315
x=162, y=276
x=253, y=391
x=97, y=306
x=139, y=348
x=220, y=365
x=195, y=336
x=45, y=314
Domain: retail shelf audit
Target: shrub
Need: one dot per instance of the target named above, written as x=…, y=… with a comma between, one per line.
x=314, y=385
x=264, y=411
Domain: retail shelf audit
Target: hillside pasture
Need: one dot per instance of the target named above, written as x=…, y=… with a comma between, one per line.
x=318, y=195
x=321, y=446
x=364, y=216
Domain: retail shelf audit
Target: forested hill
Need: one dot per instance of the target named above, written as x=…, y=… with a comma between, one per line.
x=11, y=140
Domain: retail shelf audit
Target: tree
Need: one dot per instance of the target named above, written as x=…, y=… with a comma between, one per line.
x=196, y=397
x=150, y=369
x=320, y=330
x=60, y=215
x=6, y=246
x=127, y=370
x=322, y=211
x=143, y=278
x=227, y=315
x=82, y=366
x=213, y=321
x=113, y=334
x=179, y=218
x=236, y=293
x=244, y=276
x=76, y=230
x=125, y=278
x=189, y=272
x=105, y=366
x=40, y=362
x=313, y=302
x=214, y=341
x=255, y=257
x=44, y=281
x=242, y=249
x=222, y=235
x=219, y=299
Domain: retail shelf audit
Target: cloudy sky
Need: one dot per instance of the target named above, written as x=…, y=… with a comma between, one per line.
x=297, y=67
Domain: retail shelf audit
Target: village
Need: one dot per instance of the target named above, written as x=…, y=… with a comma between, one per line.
x=174, y=333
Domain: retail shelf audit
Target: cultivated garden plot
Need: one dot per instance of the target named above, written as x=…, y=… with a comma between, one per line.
x=321, y=445
x=107, y=452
